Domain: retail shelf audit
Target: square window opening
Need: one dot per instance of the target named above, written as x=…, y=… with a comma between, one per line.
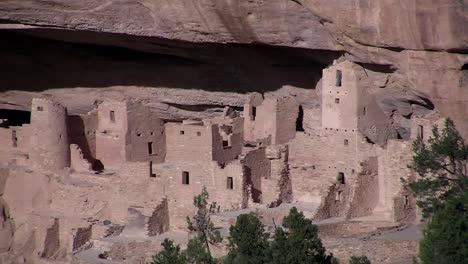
x=182, y=132
x=226, y=143
x=199, y=134
x=185, y=178
x=230, y=183
x=40, y=108
x=337, y=100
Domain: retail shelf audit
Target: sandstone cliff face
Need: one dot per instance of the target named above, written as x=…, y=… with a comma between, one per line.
x=224, y=49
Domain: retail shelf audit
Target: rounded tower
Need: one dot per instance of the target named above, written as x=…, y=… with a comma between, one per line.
x=49, y=135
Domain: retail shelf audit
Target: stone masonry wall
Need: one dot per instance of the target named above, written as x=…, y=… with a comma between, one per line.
x=287, y=111
x=111, y=133
x=77, y=160
x=49, y=139
x=256, y=168
x=158, y=222
x=188, y=143
x=393, y=164
x=82, y=130
x=366, y=190
x=145, y=134
x=339, y=98
x=317, y=159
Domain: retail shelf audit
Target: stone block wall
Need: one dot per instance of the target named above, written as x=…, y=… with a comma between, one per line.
x=256, y=168
x=393, y=164
x=366, y=190
x=52, y=241
x=227, y=143
x=189, y=142
x=340, y=93
x=82, y=130
x=145, y=138
x=111, y=133
x=49, y=147
x=287, y=111
x=81, y=237
x=317, y=159
x=273, y=117
x=158, y=222
x=77, y=160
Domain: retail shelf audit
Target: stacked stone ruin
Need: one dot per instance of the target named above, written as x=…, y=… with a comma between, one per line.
x=132, y=172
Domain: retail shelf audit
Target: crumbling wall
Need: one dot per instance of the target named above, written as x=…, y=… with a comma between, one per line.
x=404, y=207
x=366, y=190
x=77, y=160
x=81, y=237
x=82, y=130
x=6, y=222
x=277, y=189
x=49, y=138
x=158, y=222
x=256, y=168
x=312, y=114
x=52, y=241
x=227, y=140
x=336, y=202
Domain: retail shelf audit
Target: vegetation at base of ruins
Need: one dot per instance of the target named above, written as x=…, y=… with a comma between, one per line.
x=200, y=224
x=297, y=241
x=197, y=253
x=442, y=193
x=441, y=163
x=446, y=235
x=248, y=241
x=359, y=260
x=170, y=254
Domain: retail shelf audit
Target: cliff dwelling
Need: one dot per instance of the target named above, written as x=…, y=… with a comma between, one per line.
x=109, y=130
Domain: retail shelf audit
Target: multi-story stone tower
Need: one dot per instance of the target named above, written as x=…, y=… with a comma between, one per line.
x=340, y=96
x=49, y=136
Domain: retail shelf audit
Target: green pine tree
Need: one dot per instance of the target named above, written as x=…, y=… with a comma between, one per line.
x=442, y=192
x=359, y=260
x=206, y=233
x=197, y=252
x=441, y=164
x=248, y=241
x=297, y=242
x=446, y=236
x=170, y=254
